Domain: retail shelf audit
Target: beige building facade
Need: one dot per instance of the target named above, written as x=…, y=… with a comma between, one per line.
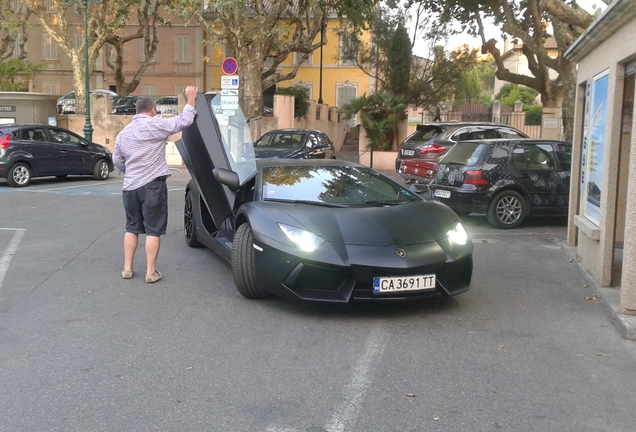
x=602, y=218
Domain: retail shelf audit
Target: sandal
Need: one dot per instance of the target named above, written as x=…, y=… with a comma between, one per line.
x=152, y=278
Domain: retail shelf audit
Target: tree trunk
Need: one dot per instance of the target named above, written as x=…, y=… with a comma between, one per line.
x=251, y=91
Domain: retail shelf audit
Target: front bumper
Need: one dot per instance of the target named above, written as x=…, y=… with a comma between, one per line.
x=290, y=275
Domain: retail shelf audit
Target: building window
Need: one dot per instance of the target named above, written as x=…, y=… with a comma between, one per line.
x=307, y=62
x=16, y=46
x=51, y=88
x=183, y=49
x=78, y=40
x=153, y=57
x=49, y=48
x=16, y=6
x=307, y=86
x=50, y=6
x=348, y=50
x=149, y=91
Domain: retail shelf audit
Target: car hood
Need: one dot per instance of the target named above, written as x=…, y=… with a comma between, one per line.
x=263, y=152
x=406, y=224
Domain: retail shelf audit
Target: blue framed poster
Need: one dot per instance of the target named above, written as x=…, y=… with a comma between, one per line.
x=594, y=147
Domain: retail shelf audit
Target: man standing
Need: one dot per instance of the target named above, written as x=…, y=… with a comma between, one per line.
x=140, y=153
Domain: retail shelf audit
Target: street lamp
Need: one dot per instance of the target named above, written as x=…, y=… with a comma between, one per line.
x=88, y=128
x=322, y=35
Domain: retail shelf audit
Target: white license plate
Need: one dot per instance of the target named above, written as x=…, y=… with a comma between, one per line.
x=389, y=285
x=408, y=152
x=442, y=193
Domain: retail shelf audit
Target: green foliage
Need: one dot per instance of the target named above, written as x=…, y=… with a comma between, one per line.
x=379, y=114
x=533, y=114
x=15, y=74
x=399, y=57
x=510, y=93
x=301, y=99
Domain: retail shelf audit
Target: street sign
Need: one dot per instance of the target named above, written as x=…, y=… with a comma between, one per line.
x=229, y=66
x=229, y=103
x=229, y=92
x=229, y=82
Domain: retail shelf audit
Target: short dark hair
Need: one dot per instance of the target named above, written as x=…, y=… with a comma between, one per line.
x=144, y=105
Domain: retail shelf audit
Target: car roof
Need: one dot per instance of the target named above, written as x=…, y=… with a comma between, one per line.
x=503, y=141
x=464, y=124
x=291, y=130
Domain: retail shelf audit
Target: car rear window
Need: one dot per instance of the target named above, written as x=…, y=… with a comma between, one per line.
x=466, y=153
x=425, y=133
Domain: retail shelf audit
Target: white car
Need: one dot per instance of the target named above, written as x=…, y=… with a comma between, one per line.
x=167, y=105
x=66, y=103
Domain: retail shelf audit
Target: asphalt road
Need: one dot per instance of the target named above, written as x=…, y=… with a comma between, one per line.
x=526, y=349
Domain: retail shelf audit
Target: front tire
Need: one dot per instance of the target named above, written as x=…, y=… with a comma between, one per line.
x=189, y=224
x=244, y=265
x=507, y=210
x=19, y=175
x=101, y=170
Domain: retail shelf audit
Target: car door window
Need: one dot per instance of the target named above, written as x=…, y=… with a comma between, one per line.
x=313, y=140
x=462, y=135
x=565, y=153
x=519, y=158
x=541, y=157
x=33, y=135
x=60, y=136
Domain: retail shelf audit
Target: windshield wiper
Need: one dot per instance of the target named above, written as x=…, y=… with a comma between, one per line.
x=316, y=203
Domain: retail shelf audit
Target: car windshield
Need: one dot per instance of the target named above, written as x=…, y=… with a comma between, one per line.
x=332, y=185
x=465, y=153
x=235, y=134
x=282, y=140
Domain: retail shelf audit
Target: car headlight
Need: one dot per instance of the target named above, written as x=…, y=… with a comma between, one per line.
x=458, y=234
x=303, y=239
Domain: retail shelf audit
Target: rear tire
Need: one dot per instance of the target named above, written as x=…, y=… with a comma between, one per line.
x=507, y=210
x=101, y=170
x=244, y=265
x=19, y=175
x=189, y=224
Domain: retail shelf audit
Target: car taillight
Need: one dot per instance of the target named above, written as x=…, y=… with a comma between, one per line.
x=5, y=141
x=432, y=149
x=475, y=177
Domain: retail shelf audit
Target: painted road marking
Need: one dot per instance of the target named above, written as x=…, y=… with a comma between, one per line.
x=5, y=260
x=356, y=388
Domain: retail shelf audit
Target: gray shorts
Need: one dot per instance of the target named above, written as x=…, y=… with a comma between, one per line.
x=147, y=208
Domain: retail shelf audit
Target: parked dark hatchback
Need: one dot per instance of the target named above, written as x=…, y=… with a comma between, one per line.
x=294, y=144
x=506, y=179
x=431, y=141
x=28, y=151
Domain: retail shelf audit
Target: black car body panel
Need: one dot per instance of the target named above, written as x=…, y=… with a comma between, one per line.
x=49, y=151
x=359, y=242
x=474, y=173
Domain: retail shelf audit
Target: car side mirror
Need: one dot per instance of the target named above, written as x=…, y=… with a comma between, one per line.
x=227, y=178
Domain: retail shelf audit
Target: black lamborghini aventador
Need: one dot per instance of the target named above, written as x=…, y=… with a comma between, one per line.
x=324, y=230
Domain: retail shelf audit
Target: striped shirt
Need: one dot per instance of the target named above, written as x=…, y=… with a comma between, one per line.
x=140, y=148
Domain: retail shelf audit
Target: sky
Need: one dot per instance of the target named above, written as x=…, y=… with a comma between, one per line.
x=421, y=49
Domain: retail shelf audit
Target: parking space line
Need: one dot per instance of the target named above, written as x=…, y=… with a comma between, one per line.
x=10, y=251
x=358, y=385
x=71, y=187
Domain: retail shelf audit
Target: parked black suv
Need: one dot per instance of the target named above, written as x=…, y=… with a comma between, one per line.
x=431, y=141
x=28, y=151
x=506, y=179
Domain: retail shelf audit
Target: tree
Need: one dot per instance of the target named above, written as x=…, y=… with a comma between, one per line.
x=104, y=20
x=15, y=74
x=526, y=22
x=433, y=79
x=13, y=27
x=256, y=30
x=399, y=57
x=379, y=114
x=148, y=17
x=510, y=93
